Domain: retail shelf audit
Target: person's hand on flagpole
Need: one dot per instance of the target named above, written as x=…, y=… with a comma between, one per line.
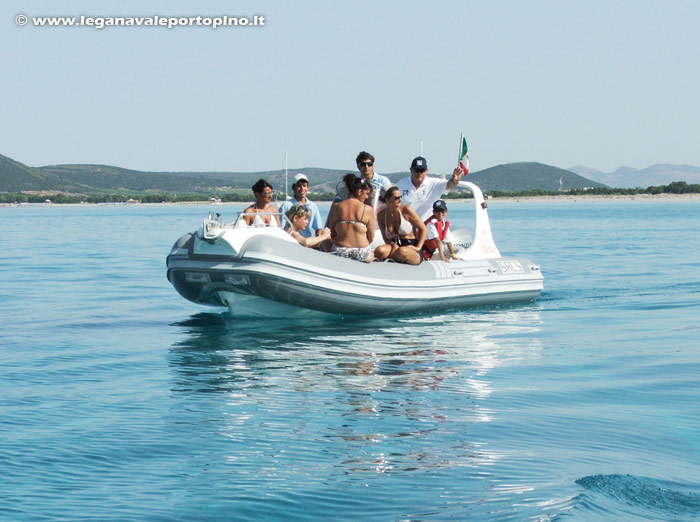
x=454, y=180
x=463, y=155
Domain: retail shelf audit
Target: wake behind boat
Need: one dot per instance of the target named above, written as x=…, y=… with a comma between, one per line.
x=263, y=271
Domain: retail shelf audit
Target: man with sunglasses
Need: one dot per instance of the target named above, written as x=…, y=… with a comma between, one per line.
x=419, y=191
x=379, y=183
x=365, y=164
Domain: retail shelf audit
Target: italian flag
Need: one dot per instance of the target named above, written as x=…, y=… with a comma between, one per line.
x=463, y=155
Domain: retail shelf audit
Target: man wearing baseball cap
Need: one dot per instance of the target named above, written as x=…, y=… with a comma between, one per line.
x=300, y=187
x=419, y=191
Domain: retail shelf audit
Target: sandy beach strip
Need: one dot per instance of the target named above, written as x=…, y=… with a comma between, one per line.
x=570, y=199
x=586, y=198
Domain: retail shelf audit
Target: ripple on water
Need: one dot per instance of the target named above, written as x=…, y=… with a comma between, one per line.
x=642, y=496
x=117, y=403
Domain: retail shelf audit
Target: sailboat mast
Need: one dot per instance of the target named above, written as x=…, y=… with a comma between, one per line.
x=286, y=192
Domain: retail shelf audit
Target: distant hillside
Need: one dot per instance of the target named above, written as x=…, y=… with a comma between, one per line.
x=88, y=179
x=104, y=179
x=321, y=180
x=516, y=177
x=628, y=177
x=16, y=177
x=98, y=179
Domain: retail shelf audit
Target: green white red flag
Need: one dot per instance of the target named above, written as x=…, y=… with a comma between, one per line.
x=464, y=155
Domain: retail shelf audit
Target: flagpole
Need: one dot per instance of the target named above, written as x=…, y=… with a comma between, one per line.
x=459, y=149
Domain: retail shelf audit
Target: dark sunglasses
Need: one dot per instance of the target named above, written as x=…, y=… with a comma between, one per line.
x=366, y=163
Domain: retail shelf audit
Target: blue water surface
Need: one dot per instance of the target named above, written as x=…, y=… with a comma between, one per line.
x=119, y=400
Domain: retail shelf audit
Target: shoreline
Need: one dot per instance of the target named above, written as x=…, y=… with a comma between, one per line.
x=595, y=197
x=507, y=199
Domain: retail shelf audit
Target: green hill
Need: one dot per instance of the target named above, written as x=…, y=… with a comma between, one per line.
x=17, y=177
x=102, y=179
x=322, y=180
x=517, y=177
x=89, y=179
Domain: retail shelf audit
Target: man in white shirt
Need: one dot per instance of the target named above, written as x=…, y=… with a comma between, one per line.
x=419, y=191
x=301, y=188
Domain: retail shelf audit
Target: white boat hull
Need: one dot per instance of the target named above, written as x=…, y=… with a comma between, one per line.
x=264, y=272
x=280, y=273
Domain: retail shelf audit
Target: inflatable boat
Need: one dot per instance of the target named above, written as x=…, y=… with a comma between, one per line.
x=264, y=272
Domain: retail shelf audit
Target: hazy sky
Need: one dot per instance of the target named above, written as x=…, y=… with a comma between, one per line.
x=594, y=83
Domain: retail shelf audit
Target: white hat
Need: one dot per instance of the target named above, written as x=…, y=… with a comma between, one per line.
x=300, y=177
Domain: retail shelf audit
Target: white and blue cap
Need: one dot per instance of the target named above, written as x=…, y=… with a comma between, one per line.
x=419, y=163
x=299, y=177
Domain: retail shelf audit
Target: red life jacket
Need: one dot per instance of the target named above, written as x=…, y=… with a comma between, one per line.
x=430, y=245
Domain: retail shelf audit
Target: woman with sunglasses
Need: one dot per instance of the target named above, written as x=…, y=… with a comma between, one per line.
x=262, y=213
x=352, y=222
x=402, y=229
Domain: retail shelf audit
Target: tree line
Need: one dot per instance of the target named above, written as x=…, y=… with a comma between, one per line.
x=62, y=198
x=676, y=187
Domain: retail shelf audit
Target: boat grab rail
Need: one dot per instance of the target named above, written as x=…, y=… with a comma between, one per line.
x=483, y=245
x=212, y=227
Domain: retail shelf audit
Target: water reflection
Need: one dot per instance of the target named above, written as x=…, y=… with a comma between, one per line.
x=355, y=396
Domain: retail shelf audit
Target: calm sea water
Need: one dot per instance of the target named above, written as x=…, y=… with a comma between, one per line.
x=119, y=400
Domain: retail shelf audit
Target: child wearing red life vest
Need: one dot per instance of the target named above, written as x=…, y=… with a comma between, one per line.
x=438, y=233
